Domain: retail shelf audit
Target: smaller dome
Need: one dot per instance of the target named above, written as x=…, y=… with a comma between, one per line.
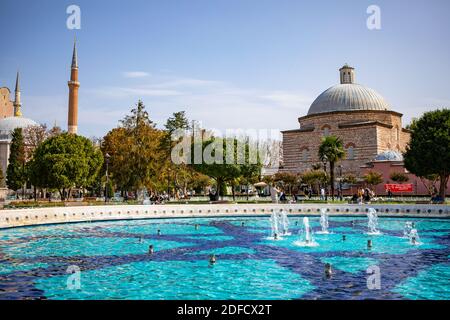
x=389, y=155
x=7, y=125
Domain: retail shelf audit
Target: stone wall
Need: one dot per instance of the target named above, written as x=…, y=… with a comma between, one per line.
x=28, y=217
x=4, y=156
x=388, y=167
x=367, y=132
x=6, y=105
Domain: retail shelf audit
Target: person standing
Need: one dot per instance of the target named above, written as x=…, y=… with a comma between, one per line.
x=274, y=194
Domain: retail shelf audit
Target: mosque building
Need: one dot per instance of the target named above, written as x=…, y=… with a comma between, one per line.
x=361, y=117
x=11, y=118
x=11, y=112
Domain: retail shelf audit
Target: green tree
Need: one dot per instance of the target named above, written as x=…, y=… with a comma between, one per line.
x=16, y=171
x=287, y=180
x=331, y=150
x=398, y=177
x=138, y=118
x=65, y=161
x=222, y=170
x=178, y=176
x=428, y=151
x=315, y=178
x=177, y=121
x=2, y=179
x=351, y=180
x=135, y=154
x=373, y=178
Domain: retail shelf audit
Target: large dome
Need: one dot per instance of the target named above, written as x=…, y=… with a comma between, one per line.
x=7, y=125
x=348, y=96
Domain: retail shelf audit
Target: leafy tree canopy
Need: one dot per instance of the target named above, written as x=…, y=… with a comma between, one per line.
x=223, y=170
x=65, y=161
x=428, y=151
x=373, y=178
x=331, y=150
x=16, y=171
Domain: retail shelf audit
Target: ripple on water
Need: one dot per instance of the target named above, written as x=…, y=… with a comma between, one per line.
x=20, y=266
x=432, y=283
x=67, y=247
x=179, y=275
x=333, y=242
x=349, y=264
x=247, y=279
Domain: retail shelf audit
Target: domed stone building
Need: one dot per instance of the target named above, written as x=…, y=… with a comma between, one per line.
x=357, y=114
x=11, y=119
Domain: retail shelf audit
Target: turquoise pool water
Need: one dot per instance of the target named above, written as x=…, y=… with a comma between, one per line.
x=114, y=263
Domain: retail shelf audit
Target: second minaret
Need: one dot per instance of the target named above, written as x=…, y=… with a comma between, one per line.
x=72, y=122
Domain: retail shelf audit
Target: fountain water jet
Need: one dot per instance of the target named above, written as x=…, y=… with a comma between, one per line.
x=323, y=221
x=414, y=237
x=275, y=232
x=306, y=237
x=407, y=229
x=373, y=222
x=284, y=223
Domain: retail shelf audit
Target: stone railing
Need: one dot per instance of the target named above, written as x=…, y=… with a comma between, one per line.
x=26, y=217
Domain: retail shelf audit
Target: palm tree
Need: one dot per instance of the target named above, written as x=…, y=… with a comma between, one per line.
x=331, y=150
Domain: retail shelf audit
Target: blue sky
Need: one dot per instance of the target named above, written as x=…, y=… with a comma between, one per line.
x=228, y=63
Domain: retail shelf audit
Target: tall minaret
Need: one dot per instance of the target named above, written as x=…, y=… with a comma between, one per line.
x=17, y=103
x=72, y=123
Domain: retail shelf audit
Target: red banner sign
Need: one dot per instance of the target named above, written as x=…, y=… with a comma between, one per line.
x=399, y=187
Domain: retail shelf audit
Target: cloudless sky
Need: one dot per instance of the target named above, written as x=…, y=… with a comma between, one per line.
x=227, y=63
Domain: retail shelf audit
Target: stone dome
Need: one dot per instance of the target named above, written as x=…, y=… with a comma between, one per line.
x=348, y=96
x=389, y=155
x=7, y=125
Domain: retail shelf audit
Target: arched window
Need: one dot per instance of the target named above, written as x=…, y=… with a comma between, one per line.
x=304, y=154
x=326, y=130
x=350, y=151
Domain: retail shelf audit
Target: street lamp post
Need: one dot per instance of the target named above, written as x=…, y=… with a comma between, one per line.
x=168, y=184
x=107, y=157
x=324, y=161
x=340, y=182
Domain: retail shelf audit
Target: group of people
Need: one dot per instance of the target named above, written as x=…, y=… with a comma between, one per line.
x=158, y=198
x=362, y=195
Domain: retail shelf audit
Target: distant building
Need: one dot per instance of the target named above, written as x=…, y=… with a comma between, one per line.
x=11, y=112
x=355, y=113
x=372, y=132
x=390, y=162
x=11, y=119
x=6, y=105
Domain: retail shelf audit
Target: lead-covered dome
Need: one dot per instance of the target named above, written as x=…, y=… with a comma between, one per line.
x=7, y=125
x=348, y=96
